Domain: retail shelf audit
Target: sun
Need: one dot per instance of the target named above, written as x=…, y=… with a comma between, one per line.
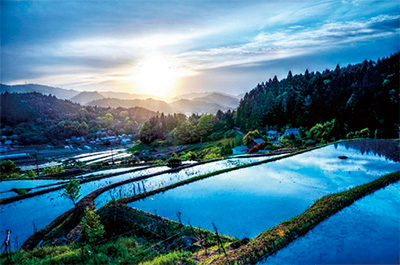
x=155, y=75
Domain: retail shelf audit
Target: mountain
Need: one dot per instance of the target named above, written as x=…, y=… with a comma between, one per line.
x=191, y=96
x=45, y=90
x=220, y=99
x=196, y=106
x=40, y=119
x=151, y=104
x=180, y=106
x=121, y=95
x=62, y=93
x=85, y=97
x=207, y=102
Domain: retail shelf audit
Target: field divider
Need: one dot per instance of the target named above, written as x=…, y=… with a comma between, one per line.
x=276, y=238
x=207, y=175
x=88, y=200
x=84, y=180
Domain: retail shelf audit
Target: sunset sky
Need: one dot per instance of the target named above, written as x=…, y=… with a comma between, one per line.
x=172, y=47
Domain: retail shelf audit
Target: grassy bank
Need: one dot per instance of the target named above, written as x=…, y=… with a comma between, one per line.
x=281, y=235
x=131, y=237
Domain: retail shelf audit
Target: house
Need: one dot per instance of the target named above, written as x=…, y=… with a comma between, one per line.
x=241, y=149
x=258, y=141
x=291, y=131
x=273, y=134
x=8, y=142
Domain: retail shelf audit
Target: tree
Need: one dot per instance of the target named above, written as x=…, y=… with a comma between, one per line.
x=71, y=191
x=92, y=229
x=7, y=166
x=205, y=125
x=250, y=136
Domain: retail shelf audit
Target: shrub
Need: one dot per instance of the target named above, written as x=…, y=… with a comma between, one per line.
x=174, y=161
x=92, y=227
x=53, y=170
x=30, y=174
x=7, y=166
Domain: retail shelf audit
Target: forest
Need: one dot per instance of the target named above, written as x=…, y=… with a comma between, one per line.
x=39, y=119
x=356, y=97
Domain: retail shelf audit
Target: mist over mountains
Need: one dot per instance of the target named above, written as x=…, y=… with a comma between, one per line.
x=207, y=102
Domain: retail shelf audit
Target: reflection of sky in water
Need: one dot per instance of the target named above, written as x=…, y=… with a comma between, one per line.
x=246, y=202
x=41, y=210
x=367, y=232
x=170, y=178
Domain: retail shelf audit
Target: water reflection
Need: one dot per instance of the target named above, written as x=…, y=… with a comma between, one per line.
x=245, y=202
x=387, y=148
x=367, y=232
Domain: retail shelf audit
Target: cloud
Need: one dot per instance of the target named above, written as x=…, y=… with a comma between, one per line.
x=296, y=41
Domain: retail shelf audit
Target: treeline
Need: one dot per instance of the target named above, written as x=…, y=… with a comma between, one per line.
x=180, y=129
x=39, y=119
x=355, y=97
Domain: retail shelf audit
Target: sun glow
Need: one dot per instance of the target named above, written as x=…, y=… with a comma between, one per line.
x=155, y=75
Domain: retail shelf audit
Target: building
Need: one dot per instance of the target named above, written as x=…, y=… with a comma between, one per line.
x=273, y=134
x=291, y=131
x=258, y=141
x=241, y=149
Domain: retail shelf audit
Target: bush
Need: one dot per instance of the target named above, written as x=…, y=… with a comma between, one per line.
x=92, y=227
x=30, y=174
x=174, y=161
x=7, y=166
x=53, y=170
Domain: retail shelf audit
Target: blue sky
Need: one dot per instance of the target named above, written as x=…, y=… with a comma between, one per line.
x=225, y=46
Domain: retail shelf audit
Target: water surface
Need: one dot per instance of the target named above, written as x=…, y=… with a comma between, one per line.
x=246, y=202
x=367, y=232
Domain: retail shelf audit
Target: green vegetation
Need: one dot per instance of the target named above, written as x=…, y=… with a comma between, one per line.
x=71, y=191
x=21, y=191
x=129, y=237
x=39, y=119
x=53, y=170
x=357, y=96
x=174, y=161
x=92, y=227
x=281, y=235
x=7, y=166
x=250, y=136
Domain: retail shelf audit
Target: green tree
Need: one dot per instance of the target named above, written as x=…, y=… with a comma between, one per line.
x=250, y=136
x=71, y=191
x=7, y=166
x=92, y=229
x=205, y=125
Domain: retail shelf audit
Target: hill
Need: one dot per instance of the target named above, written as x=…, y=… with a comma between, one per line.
x=364, y=95
x=180, y=106
x=42, y=119
x=85, y=97
x=45, y=90
x=196, y=106
x=151, y=104
x=220, y=99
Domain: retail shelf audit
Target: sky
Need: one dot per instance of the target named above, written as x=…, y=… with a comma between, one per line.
x=173, y=47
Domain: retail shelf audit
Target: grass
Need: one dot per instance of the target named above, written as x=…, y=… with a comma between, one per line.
x=21, y=191
x=131, y=237
x=281, y=235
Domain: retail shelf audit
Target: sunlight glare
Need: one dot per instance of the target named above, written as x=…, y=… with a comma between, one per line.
x=155, y=75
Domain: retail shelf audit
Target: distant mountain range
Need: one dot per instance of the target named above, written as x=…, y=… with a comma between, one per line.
x=207, y=102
